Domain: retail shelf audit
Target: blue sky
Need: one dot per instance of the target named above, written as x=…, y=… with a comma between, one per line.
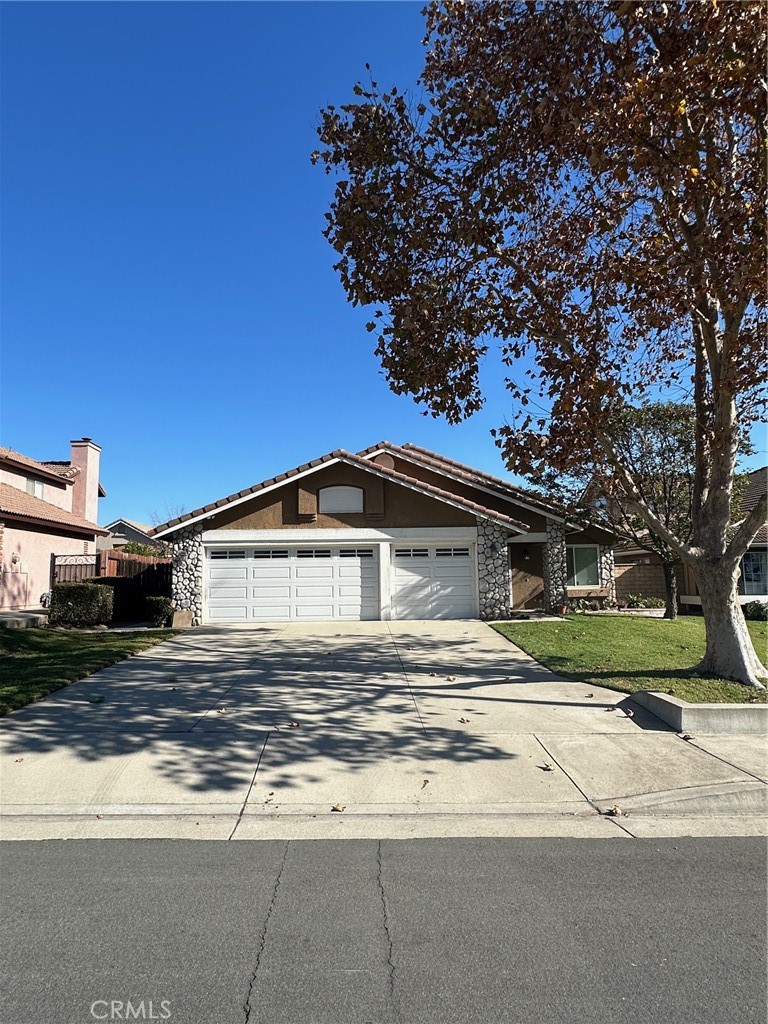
x=166, y=286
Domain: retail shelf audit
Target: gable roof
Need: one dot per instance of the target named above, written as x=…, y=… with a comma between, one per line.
x=756, y=488
x=474, y=477
x=27, y=508
x=358, y=460
x=141, y=527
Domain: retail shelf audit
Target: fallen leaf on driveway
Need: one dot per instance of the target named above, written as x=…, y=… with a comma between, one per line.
x=687, y=736
x=96, y=699
x=433, y=675
x=630, y=714
x=615, y=812
x=589, y=695
x=339, y=807
x=19, y=760
x=425, y=783
x=547, y=767
x=293, y=725
x=451, y=679
x=221, y=711
x=464, y=721
x=612, y=708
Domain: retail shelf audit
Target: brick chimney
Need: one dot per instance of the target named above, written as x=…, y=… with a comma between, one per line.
x=85, y=490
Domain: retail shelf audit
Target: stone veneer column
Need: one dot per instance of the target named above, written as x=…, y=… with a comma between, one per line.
x=493, y=570
x=555, y=565
x=607, y=565
x=187, y=553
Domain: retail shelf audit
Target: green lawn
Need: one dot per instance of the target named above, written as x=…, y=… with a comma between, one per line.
x=635, y=653
x=35, y=662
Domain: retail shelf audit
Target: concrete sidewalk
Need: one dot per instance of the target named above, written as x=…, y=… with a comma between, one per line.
x=415, y=729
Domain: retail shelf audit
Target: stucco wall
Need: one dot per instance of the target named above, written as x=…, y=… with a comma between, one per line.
x=59, y=495
x=23, y=582
x=279, y=509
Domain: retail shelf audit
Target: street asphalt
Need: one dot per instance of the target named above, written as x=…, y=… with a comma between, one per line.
x=448, y=931
x=370, y=730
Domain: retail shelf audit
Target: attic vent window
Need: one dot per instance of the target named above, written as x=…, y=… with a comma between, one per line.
x=341, y=499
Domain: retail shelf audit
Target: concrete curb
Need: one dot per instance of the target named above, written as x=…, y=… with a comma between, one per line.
x=704, y=718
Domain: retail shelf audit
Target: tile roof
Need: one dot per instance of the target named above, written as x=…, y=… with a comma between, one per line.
x=62, y=470
x=14, y=502
x=476, y=477
x=757, y=487
x=340, y=455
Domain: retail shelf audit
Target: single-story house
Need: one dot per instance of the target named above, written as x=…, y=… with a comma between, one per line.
x=122, y=532
x=753, y=583
x=391, y=532
x=46, y=508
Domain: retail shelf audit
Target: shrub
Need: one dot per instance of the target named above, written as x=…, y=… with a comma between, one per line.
x=128, y=600
x=757, y=611
x=158, y=610
x=639, y=601
x=135, y=547
x=80, y=604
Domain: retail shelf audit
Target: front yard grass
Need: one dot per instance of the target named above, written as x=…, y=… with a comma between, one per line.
x=629, y=654
x=35, y=662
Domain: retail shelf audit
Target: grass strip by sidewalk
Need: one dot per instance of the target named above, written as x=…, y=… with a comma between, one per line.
x=629, y=654
x=35, y=662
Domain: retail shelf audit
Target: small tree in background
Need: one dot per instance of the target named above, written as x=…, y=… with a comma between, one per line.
x=584, y=182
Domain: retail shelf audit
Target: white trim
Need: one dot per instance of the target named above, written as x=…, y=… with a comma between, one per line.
x=742, y=598
x=338, y=535
x=529, y=538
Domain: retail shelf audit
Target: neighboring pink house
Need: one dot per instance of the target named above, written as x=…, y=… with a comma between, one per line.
x=46, y=508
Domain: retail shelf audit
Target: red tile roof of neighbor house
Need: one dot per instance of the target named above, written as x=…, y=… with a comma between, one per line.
x=19, y=504
x=63, y=472
x=340, y=455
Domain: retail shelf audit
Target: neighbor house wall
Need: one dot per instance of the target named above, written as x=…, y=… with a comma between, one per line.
x=25, y=581
x=56, y=494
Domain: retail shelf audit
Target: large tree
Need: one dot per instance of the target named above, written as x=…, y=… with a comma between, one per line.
x=583, y=183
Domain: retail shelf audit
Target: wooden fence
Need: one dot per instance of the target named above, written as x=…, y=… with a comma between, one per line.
x=150, y=575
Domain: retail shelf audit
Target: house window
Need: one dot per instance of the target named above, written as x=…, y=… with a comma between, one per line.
x=754, y=573
x=341, y=499
x=34, y=487
x=582, y=565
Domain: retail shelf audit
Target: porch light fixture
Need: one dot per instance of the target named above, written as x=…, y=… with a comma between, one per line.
x=495, y=547
x=526, y=554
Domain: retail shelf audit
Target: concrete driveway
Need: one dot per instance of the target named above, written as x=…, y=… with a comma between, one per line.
x=409, y=728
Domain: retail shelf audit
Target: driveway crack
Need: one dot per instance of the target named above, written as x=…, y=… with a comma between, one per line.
x=250, y=787
x=380, y=883
x=393, y=638
x=247, y=1007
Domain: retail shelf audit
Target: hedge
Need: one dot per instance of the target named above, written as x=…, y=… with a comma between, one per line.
x=158, y=609
x=80, y=604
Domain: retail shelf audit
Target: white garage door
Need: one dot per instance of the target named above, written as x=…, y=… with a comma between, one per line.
x=433, y=583
x=278, y=584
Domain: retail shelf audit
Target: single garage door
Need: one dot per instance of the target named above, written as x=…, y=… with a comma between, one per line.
x=433, y=583
x=302, y=583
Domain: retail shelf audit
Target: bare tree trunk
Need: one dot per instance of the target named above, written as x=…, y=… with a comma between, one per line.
x=730, y=653
x=670, y=583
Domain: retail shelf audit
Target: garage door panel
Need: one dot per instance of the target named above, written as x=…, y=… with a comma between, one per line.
x=293, y=583
x=438, y=584
x=223, y=593
x=270, y=593
x=228, y=572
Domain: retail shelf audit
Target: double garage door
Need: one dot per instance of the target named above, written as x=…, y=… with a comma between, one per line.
x=337, y=583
